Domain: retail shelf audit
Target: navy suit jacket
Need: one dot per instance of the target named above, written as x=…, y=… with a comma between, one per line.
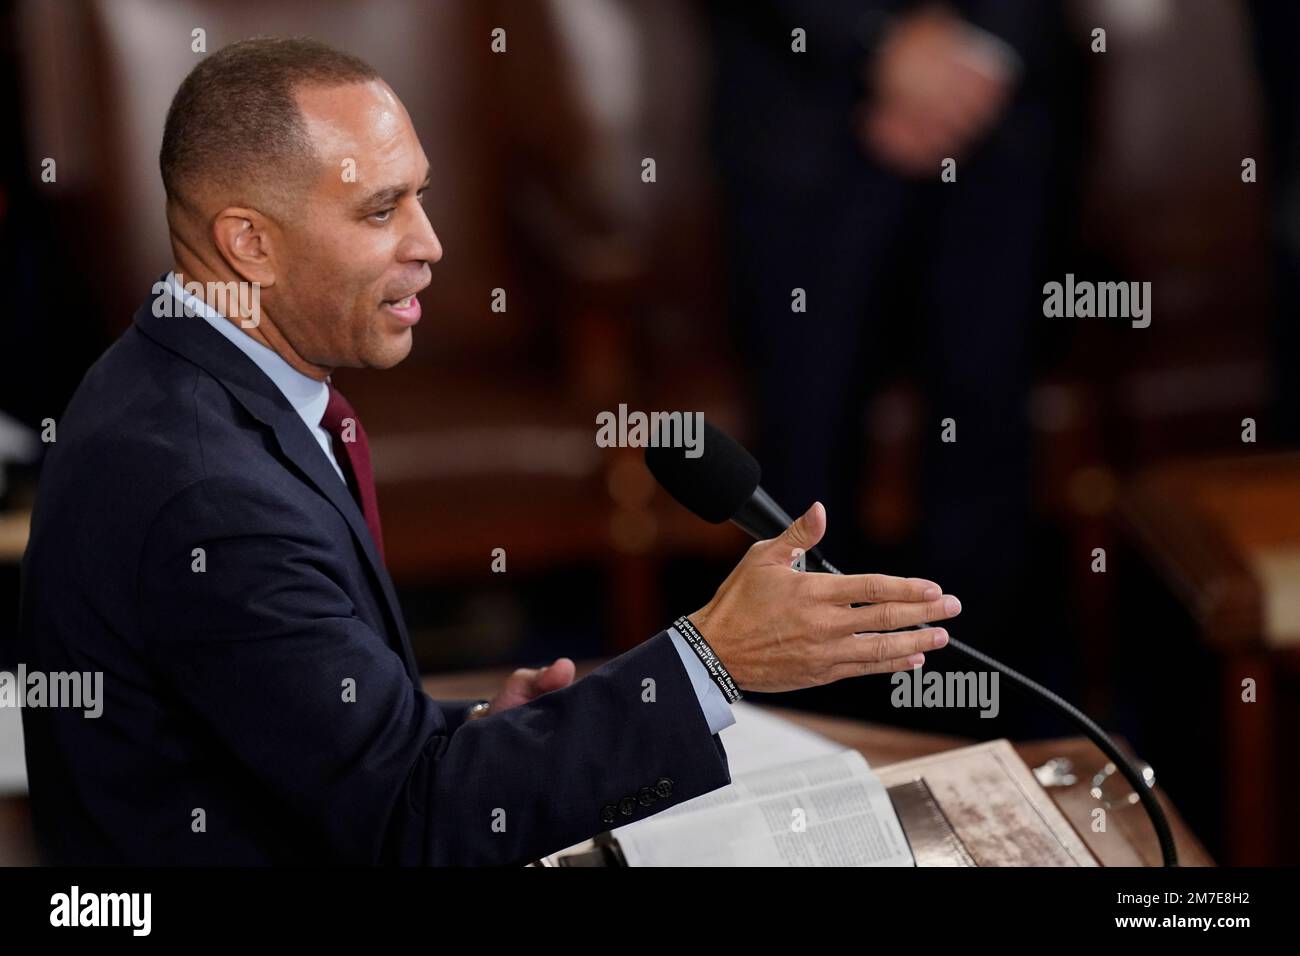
x=228, y=734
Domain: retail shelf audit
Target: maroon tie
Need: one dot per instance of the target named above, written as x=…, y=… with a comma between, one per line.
x=341, y=421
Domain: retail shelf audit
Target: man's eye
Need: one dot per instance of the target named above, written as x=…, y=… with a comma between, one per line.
x=382, y=216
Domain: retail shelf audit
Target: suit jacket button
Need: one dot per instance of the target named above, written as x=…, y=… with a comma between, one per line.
x=646, y=796
x=664, y=787
x=627, y=806
x=609, y=813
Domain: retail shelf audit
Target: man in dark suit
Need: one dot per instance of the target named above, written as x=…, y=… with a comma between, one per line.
x=207, y=538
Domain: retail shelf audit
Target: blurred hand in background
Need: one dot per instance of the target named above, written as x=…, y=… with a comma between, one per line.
x=937, y=85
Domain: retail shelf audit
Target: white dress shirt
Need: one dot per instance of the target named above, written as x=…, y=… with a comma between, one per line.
x=307, y=396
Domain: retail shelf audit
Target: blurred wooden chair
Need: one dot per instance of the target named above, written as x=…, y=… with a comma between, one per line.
x=1224, y=536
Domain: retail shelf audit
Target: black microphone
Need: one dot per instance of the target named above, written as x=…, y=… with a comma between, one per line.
x=722, y=484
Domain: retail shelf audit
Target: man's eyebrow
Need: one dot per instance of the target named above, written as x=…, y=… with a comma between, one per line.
x=390, y=194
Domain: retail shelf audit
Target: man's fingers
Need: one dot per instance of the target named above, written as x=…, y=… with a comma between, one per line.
x=804, y=533
x=891, y=615
x=862, y=668
x=875, y=588
x=529, y=682
x=555, y=676
x=878, y=648
x=522, y=678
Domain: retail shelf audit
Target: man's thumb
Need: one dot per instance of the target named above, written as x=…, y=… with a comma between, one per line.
x=555, y=675
x=806, y=530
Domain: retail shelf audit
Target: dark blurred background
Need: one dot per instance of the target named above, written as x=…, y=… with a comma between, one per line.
x=777, y=171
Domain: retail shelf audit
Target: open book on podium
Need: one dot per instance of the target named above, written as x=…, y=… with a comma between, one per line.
x=799, y=799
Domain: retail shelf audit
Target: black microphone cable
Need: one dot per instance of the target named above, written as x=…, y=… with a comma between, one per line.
x=1074, y=715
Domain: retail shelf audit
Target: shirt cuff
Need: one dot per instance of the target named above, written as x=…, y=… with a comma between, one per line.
x=716, y=709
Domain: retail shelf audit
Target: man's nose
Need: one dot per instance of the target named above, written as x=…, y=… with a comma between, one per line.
x=422, y=244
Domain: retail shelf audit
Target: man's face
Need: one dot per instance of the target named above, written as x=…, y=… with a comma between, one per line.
x=351, y=261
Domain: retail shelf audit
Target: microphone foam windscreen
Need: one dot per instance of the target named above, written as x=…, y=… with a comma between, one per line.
x=713, y=486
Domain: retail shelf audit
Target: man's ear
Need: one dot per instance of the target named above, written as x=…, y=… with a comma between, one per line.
x=244, y=239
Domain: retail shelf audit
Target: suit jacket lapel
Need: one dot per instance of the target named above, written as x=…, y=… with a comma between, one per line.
x=300, y=447
x=194, y=340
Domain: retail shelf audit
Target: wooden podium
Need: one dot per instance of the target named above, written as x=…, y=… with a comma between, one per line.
x=1129, y=840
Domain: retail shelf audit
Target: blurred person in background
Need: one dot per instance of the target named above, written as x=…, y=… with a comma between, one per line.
x=830, y=163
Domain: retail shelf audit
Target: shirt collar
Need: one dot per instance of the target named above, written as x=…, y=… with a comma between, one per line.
x=307, y=395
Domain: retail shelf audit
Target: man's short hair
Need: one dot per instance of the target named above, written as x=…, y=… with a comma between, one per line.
x=234, y=122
